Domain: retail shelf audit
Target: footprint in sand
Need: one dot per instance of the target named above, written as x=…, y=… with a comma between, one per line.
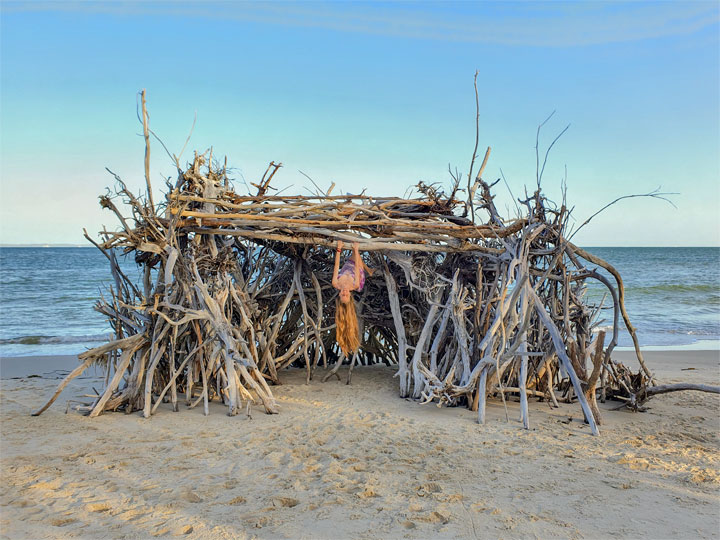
x=284, y=502
x=191, y=496
x=429, y=489
x=62, y=522
x=435, y=517
x=368, y=492
x=98, y=507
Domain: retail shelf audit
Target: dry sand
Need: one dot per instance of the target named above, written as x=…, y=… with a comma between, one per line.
x=359, y=462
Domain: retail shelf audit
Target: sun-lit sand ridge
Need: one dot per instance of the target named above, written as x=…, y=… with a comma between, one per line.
x=359, y=462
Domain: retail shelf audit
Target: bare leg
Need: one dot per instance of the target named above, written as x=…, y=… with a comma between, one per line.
x=369, y=271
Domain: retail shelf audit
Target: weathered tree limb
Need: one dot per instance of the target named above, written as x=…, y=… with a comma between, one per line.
x=678, y=387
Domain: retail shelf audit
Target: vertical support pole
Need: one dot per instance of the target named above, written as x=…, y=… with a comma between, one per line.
x=400, y=330
x=146, y=134
x=482, y=390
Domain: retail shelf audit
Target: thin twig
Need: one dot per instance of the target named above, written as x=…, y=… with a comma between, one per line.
x=655, y=194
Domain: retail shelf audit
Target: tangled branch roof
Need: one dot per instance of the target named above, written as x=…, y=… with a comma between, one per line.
x=203, y=202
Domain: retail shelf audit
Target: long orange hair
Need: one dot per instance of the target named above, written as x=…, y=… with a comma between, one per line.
x=347, y=330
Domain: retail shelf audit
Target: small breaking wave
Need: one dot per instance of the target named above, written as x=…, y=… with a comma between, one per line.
x=51, y=340
x=696, y=332
x=673, y=288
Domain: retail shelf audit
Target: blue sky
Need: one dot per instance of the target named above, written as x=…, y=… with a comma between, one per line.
x=367, y=95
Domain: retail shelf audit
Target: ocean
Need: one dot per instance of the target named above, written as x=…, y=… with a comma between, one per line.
x=47, y=297
x=672, y=295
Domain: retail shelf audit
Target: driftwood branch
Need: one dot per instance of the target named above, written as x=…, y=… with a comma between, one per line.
x=678, y=387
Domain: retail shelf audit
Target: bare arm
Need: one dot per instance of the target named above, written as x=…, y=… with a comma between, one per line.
x=337, y=264
x=358, y=266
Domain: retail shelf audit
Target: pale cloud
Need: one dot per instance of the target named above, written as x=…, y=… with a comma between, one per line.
x=552, y=24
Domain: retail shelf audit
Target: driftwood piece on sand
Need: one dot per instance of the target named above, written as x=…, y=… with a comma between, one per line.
x=677, y=387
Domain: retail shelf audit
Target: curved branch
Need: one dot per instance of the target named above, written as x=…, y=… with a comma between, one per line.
x=621, y=298
x=666, y=388
x=656, y=194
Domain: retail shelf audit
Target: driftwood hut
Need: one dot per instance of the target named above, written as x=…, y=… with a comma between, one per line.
x=237, y=287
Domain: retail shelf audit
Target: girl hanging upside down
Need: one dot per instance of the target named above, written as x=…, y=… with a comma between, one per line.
x=350, y=278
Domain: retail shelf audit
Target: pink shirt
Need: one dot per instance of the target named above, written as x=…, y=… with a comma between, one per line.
x=349, y=270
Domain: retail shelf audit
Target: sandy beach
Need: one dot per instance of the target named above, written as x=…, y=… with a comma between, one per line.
x=359, y=462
